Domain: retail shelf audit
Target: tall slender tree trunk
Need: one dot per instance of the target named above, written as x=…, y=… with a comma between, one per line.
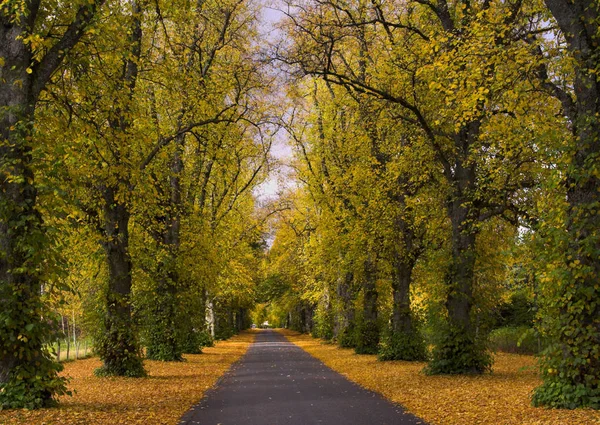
x=405, y=341
x=300, y=313
x=118, y=347
x=210, y=315
x=239, y=320
x=461, y=274
x=22, y=330
x=68, y=340
x=74, y=329
x=309, y=312
x=460, y=350
x=164, y=341
x=401, y=280
x=30, y=378
x=231, y=319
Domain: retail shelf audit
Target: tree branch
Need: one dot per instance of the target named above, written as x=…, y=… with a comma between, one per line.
x=44, y=69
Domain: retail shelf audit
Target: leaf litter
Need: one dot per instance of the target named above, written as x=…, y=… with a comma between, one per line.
x=499, y=398
x=160, y=399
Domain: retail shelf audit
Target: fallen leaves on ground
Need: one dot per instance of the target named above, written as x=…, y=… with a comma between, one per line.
x=500, y=398
x=162, y=398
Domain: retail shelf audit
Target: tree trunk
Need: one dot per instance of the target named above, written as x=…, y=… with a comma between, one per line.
x=301, y=318
x=403, y=262
x=571, y=367
x=461, y=274
x=370, y=301
x=22, y=79
x=368, y=332
x=210, y=316
x=21, y=230
x=309, y=312
x=240, y=320
x=459, y=351
x=118, y=347
x=230, y=321
x=583, y=226
x=345, y=321
x=164, y=343
x=401, y=280
x=74, y=330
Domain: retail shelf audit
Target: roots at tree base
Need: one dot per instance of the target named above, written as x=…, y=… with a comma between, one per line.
x=120, y=353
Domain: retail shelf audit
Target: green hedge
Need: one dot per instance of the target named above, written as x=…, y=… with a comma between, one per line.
x=515, y=339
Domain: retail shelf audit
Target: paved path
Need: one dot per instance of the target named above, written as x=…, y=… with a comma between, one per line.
x=277, y=383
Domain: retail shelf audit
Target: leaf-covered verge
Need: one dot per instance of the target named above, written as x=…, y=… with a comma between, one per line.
x=502, y=397
x=170, y=389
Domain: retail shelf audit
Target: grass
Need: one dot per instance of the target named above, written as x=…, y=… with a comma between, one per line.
x=500, y=398
x=162, y=398
x=83, y=351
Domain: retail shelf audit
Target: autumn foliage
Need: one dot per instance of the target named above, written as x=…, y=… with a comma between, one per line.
x=161, y=398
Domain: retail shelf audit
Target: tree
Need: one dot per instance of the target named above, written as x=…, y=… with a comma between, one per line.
x=571, y=365
x=35, y=38
x=101, y=122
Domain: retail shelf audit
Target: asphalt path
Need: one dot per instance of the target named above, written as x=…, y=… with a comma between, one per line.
x=278, y=383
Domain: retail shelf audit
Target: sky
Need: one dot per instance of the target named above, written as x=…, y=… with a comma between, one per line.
x=280, y=151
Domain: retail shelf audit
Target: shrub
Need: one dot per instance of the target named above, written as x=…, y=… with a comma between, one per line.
x=511, y=339
x=367, y=338
x=323, y=324
x=403, y=346
x=347, y=337
x=195, y=341
x=459, y=352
